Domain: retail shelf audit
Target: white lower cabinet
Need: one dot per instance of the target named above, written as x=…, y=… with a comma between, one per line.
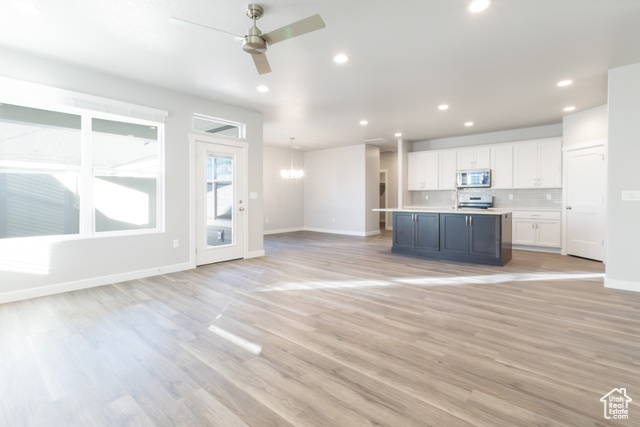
x=537, y=228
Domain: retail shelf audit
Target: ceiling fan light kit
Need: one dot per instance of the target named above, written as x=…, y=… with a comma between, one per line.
x=256, y=43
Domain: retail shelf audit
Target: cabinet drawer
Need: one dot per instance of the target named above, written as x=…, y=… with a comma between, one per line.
x=537, y=215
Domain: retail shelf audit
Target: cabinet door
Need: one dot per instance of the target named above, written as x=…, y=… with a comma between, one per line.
x=428, y=232
x=502, y=167
x=524, y=231
x=448, y=169
x=525, y=168
x=431, y=169
x=482, y=158
x=415, y=171
x=466, y=159
x=403, y=229
x=485, y=235
x=550, y=164
x=548, y=233
x=454, y=234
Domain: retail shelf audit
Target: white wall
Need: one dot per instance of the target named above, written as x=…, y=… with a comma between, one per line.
x=75, y=264
x=490, y=138
x=623, y=229
x=372, y=188
x=585, y=126
x=283, y=198
x=389, y=161
x=404, y=195
x=334, y=190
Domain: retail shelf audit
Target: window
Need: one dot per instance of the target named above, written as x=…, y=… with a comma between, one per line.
x=77, y=173
x=218, y=126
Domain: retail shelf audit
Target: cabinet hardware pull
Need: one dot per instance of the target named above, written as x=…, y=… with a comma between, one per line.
x=471, y=220
x=466, y=220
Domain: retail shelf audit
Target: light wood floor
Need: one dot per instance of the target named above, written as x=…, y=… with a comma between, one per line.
x=327, y=331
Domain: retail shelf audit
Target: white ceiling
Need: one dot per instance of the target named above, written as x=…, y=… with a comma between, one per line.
x=498, y=69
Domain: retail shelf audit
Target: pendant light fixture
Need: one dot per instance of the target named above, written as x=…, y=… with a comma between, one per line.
x=292, y=173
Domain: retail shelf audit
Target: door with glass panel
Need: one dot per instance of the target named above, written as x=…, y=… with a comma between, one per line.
x=220, y=207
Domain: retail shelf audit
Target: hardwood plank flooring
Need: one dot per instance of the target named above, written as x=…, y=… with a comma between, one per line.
x=327, y=330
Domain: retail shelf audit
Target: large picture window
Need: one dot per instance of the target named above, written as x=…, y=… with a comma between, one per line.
x=84, y=173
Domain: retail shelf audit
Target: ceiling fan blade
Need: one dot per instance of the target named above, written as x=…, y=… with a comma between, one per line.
x=296, y=29
x=185, y=23
x=262, y=65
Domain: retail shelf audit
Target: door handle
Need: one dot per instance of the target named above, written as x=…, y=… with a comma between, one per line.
x=241, y=208
x=569, y=207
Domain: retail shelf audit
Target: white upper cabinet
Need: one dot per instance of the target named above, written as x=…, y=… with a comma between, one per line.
x=502, y=166
x=431, y=171
x=422, y=171
x=538, y=164
x=479, y=158
x=448, y=169
x=415, y=169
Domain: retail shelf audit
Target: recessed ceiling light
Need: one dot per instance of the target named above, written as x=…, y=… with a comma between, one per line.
x=262, y=89
x=364, y=122
x=398, y=134
x=477, y=6
x=26, y=7
x=569, y=108
x=565, y=83
x=340, y=58
x=443, y=107
x=467, y=124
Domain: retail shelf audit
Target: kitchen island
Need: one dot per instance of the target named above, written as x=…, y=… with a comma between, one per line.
x=481, y=236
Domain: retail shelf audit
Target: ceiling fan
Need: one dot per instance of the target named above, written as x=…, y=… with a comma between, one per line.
x=256, y=43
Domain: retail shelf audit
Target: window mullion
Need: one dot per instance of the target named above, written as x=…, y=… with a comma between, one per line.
x=86, y=180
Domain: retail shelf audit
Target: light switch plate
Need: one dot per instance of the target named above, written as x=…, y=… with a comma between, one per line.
x=253, y=196
x=630, y=195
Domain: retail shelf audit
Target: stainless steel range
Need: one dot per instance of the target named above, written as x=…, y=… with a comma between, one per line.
x=477, y=202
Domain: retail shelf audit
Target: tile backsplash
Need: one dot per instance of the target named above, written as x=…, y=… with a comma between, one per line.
x=525, y=199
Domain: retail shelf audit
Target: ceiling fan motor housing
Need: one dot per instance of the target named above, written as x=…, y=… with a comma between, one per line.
x=253, y=43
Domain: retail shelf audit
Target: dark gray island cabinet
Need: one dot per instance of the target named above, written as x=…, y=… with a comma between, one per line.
x=483, y=238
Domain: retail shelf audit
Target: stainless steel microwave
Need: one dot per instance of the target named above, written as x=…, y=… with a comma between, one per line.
x=473, y=178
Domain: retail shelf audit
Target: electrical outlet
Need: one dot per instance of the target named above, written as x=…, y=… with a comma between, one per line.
x=176, y=243
x=266, y=220
x=510, y=196
x=426, y=197
x=548, y=196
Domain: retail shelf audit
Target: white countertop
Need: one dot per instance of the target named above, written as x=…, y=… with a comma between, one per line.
x=428, y=209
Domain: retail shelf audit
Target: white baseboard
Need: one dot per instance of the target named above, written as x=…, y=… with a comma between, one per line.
x=283, y=230
x=537, y=249
x=372, y=233
x=342, y=232
x=254, y=254
x=621, y=284
x=89, y=283
x=388, y=227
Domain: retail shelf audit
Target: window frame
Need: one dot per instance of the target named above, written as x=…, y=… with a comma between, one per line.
x=87, y=211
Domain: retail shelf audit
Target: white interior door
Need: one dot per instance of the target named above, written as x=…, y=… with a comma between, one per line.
x=586, y=186
x=220, y=204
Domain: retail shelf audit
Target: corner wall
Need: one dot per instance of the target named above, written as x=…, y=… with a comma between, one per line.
x=623, y=231
x=334, y=190
x=283, y=198
x=585, y=126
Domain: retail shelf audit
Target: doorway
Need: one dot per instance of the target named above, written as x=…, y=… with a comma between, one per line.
x=220, y=201
x=384, y=200
x=585, y=202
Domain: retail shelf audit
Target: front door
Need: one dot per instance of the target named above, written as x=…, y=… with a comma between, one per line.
x=220, y=204
x=586, y=184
